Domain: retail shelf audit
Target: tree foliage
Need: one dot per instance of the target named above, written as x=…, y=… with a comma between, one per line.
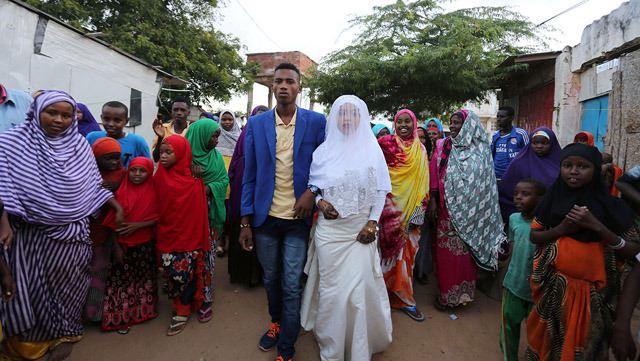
x=177, y=35
x=415, y=55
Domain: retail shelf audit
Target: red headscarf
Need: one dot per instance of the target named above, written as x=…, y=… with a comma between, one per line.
x=104, y=146
x=139, y=204
x=183, y=224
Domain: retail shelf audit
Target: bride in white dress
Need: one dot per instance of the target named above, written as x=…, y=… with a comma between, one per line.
x=345, y=300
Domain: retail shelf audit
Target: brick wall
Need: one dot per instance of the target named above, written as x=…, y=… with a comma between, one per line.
x=269, y=61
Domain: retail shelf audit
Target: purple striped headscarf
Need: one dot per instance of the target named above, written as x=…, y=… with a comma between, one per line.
x=50, y=180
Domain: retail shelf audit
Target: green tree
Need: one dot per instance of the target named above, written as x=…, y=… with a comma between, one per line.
x=415, y=55
x=177, y=35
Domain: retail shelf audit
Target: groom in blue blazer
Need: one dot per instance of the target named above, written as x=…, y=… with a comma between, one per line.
x=278, y=203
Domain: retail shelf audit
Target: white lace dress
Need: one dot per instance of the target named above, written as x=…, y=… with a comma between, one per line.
x=345, y=300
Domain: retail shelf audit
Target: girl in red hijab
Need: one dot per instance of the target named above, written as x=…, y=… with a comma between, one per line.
x=183, y=230
x=132, y=271
x=107, y=152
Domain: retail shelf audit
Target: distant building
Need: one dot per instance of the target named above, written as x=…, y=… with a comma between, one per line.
x=593, y=86
x=42, y=52
x=268, y=62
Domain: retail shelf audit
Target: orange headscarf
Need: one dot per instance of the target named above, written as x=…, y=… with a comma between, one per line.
x=104, y=146
x=589, y=138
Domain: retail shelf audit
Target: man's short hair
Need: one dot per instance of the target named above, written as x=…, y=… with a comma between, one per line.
x=181, y=99
x=288, y=66
x=117, y=104
x=508, y=109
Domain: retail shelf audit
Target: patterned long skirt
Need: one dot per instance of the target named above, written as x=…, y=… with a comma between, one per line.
x=189, y=279
x=131, y=293
x=454, y=268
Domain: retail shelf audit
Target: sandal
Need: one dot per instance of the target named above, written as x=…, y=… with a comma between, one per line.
x=414, y=313
x=178, y=323
x=439, y=306
x=124, y=331
x=205, y=315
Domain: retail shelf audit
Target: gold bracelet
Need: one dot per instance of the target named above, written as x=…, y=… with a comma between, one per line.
x=370, y=230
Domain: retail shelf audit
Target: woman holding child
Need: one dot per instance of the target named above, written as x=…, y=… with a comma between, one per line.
x=50, y=185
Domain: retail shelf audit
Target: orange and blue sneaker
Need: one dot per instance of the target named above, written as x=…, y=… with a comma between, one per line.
x=270, y=338
x=280, y=358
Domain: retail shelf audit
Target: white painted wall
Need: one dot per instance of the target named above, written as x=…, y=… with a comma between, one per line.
x=577, y=78
x=91, y=72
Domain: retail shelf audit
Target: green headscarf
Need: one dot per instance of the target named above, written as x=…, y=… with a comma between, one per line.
x=214, y=173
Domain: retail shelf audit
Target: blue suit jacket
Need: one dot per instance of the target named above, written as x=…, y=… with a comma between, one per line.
x=259, y=178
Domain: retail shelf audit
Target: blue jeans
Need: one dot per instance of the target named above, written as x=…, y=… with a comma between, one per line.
x=281, y=245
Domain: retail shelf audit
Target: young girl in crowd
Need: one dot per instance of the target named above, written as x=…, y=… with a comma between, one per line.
x=230, y=132
x=203, y=137
x=131, y=291
x=435, y=123
x=584, y=138
x=426, y=141
x=540, y=160
x=86, y=122
x=611, y=170
x=403, y=212
x=381, y=130
x=49, y=183
x=182, y=230
x=575, y=282
x=107, y=153
x=516, y=296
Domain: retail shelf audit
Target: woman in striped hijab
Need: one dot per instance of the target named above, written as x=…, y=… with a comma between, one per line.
x=50, y=185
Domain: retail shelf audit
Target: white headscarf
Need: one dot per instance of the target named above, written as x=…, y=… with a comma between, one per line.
x=349, y=166
x=228, y=139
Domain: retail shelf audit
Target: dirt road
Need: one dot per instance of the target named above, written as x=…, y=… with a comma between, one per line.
x=240, y=318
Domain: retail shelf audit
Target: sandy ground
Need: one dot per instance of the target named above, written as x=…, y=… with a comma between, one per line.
x=241, y=317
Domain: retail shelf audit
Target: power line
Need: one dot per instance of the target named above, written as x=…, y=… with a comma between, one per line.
x=569, y=9
x=258, y=26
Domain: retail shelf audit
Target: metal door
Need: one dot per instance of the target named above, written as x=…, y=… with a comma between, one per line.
x=594, y=118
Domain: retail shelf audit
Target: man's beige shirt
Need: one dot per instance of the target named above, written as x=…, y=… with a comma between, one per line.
x=284, y=197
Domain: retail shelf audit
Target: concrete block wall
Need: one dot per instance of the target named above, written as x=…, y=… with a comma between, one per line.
x=623, y=134
x=566, y=117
